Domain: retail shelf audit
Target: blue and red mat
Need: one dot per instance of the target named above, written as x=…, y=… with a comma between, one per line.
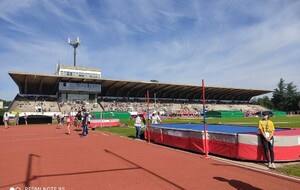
x=239, y=142
x=213, y=128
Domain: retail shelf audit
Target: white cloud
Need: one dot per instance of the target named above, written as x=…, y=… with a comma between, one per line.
x=228, y=43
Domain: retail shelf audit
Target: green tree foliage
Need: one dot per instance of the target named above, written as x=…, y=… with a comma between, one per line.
x=264, y=101
x=278, y=98
x=293, y=96
x=285, y=97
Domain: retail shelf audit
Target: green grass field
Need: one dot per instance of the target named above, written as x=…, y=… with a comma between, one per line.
x=290, y=122
x=290, y=170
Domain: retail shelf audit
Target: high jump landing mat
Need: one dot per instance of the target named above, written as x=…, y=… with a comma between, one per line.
x=237, y=142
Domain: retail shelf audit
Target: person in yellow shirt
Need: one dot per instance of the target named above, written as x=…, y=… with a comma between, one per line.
x=267, y=129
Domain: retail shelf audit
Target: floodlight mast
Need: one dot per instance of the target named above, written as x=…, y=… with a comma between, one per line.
x=74, y=44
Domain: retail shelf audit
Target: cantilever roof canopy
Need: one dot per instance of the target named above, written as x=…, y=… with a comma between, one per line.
x=30, y=83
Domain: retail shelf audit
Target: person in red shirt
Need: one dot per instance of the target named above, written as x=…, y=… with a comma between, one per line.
x=69, y=119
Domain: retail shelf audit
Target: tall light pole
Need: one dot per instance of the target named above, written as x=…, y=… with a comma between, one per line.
x=74, y=44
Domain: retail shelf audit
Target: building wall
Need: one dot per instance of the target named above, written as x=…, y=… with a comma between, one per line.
x=78, y=71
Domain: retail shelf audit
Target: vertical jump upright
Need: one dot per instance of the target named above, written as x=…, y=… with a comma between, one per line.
x=204, y=121
x=148, y=118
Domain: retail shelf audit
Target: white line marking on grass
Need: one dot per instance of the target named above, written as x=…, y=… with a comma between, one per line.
x=104, y=134
x=99, y=132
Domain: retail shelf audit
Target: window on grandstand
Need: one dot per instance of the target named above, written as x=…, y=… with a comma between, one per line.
x=87, y=74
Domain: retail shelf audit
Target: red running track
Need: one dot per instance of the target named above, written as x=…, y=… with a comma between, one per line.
x=38, y=156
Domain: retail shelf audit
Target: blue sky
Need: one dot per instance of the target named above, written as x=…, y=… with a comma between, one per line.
x=232, y=43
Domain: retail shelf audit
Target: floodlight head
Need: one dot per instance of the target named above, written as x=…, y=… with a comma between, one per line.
x=74, y=44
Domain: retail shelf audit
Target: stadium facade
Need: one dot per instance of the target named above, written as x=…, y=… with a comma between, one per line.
x=83, y=83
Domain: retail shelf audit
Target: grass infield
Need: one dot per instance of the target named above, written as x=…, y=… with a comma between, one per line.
x=293, y=170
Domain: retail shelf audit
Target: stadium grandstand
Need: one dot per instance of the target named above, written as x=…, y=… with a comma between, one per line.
x=74, y=87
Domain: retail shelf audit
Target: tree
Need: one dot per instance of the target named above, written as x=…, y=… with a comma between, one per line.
x=278, y=97
x=264, y=101
x=285, y=97
x=292, y=97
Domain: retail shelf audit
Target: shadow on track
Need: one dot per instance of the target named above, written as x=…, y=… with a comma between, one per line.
x=237, y=184
x=30, y=176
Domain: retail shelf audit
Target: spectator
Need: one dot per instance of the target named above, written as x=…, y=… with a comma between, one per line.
x=155, y=117
x=85, y=130
x=77, y=122
x=17, y=117
x=25, y=118
x=6, y=120
x=267, y=129
x=138, y=125
x=59, y=120
x=69, y=120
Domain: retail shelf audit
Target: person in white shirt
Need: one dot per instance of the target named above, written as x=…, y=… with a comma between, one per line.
x=59, y=119
x=155, y=117
x=89, y=117
x=25, y=118
x=138, y=125
x=6, y=120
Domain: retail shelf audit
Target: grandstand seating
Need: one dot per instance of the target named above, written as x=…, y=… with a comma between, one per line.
x=177, y=108
x=34, y=103
x=165, y=107
x=47, y=104
x=74, y=106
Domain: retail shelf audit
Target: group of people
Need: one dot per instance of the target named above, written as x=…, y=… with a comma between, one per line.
x=81, y=119
x=6, y=120
x=140, y=122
